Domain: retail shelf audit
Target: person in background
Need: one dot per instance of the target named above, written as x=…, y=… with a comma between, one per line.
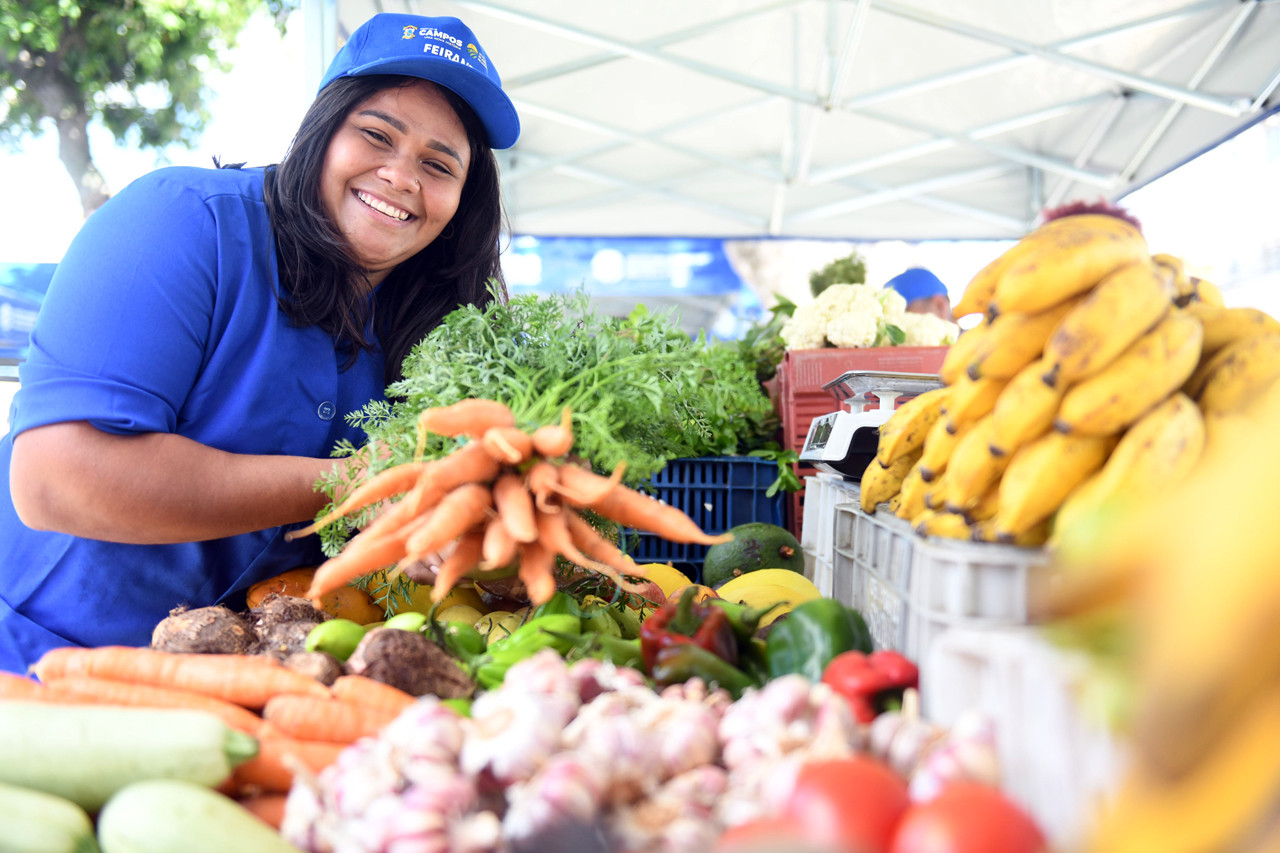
x=209, y=329
x=924, y=292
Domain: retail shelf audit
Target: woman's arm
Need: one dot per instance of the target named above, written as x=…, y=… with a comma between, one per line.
x=155, y=488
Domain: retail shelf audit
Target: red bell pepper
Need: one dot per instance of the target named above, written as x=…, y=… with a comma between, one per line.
x=684, y=621
x=870, y=682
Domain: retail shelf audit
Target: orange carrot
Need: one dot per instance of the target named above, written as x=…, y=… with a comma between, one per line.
x=246, y=680
x=470, y=463
x=553, y=532
x=499, y=547
x=508, y=444
x=538, y=571
x=556, y=439
x=543, y=478
x=385, y=484
x=267, y=807
x=582, y=487
x=591, y=543
x=470, y=417
x=459, y=511
x=635, y=509
x=14, y=686
x=325, y=718
x=279, y=758
x=515, y=507
x=106, y=691
x=363, y=690
x=465, y=557
x=356, y=560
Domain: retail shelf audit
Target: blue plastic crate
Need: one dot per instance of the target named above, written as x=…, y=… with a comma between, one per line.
x=718, y=493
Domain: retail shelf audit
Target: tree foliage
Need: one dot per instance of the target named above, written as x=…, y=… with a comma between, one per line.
x=137, y=66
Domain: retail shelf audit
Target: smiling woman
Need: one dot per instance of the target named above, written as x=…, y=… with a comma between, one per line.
x=208, y=329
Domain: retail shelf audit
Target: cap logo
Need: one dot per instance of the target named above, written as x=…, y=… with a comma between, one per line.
x=476, y=54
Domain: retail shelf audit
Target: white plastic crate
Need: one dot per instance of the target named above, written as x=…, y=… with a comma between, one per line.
x=1059, y=762
x=910, y=588
x=822, y=493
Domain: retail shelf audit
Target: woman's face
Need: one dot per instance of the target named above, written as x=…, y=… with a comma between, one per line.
x=393, y=174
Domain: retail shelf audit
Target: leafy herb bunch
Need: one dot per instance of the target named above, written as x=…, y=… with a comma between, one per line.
x=640, y=390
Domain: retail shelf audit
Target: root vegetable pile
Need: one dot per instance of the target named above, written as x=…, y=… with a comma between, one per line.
x=506, y=497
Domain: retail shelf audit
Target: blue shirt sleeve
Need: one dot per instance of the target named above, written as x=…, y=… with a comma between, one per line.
x=122, y=333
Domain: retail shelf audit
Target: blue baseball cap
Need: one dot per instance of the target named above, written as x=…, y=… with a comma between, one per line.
x=917, y=283
x=442, y=50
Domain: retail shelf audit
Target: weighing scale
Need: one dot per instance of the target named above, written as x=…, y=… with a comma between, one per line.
x=844, y=442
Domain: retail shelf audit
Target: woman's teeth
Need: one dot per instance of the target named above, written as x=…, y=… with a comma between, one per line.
x=383, y=207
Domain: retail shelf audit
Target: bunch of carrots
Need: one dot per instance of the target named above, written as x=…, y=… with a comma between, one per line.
x=506, y=497
x=300, y=724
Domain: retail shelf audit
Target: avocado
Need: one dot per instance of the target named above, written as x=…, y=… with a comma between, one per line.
x=757, y=545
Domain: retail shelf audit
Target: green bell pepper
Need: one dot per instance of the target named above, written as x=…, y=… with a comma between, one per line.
x=811, y=635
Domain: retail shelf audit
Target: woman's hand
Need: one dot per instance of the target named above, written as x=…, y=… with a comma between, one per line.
x=154, y=488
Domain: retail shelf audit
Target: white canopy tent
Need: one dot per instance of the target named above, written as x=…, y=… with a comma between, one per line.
x=851, y=119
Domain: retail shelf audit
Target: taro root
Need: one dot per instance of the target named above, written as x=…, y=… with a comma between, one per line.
x=285, y=638
x=278, y=608
x=322, y=667
x=410, y=661
x=209, y=630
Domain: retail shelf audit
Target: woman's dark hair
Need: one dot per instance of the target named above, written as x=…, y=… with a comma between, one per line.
x=322, y=285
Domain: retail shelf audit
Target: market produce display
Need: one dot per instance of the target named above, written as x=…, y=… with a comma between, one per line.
x=859, y=315
x=1096, y=375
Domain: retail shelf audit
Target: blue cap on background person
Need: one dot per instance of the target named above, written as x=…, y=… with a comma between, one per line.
x=442, y=50
x=917, y=283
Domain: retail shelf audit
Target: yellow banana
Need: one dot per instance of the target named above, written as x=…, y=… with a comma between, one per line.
x=911, y=495
x=1245, y=369
x=971, y=399
x=1184, y=290
x=972, y=467
x=935, y=496
x=1207, y=292
x=895, y=502
x=1223, y=326
x=977, y=295
x=906, y=428
x=987, y=531
x=986, y=506
x=879, y=483
x=1072, y=255
x=1222, y=803
x=959, y=354
x=1015, y=340
x=938, y=445
x=1025, y=409
x=1041, y=475
x=1156, y=453
x=1151, y=368
x=947, y=525
x=1124, y=306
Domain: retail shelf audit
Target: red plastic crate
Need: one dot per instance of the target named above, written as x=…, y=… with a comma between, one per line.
x=801, y=397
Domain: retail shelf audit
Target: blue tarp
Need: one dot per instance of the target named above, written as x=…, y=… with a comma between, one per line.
x=22, y=288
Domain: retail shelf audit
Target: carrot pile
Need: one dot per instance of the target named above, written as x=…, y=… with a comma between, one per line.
x=505, y=497
x=300, y=724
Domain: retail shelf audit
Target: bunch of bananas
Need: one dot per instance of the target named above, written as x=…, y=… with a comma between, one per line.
x=1097, y=374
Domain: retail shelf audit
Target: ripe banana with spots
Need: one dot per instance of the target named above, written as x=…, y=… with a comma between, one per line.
x=911, y=495
x=1124, y=306
x=935, y=496
x=1070, y=256
x=1223, y=326
x=1158, y=452
x=972, y=467
x=970, y=400
x=906, y=428
x=880, y=483
x=1041, y=474
x=938, y=445
x=987, y=531
x=1152, y=368
x=986, y=506
x=959, y=354
x=1240, y=372
x=1025, y=409
x=1184, y=290
x=1207, y=292
x=946, y=525
x=1016, y=339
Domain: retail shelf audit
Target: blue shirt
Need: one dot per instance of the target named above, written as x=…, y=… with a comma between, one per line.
x=163, y=317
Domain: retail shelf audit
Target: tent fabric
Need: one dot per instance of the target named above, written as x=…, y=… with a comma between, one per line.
x=850, y=119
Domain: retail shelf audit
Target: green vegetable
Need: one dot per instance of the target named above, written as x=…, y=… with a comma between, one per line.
x=755, y=545
x=462, y=641
x=851, y=269
x=461, y=707
x=811, y=635
x=36, y=822
x=605, y=647
x=553, y=631
x=86, y=753
x=744, y=620
x=166, y=815
x=410, y=620
x=337, y=637
x=678, y=664
x=559, y=602
x=628, y=619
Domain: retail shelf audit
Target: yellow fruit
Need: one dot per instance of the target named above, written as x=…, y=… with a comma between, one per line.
x=704, y=592
x=497, y=624
x=766, y=595
x=797, y=583
x=459, y=613
x=420, y=599
x=666, y=576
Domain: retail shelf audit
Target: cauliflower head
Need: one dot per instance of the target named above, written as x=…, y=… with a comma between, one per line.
x=927, y=330
x=805, y=329
x=854, y=329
